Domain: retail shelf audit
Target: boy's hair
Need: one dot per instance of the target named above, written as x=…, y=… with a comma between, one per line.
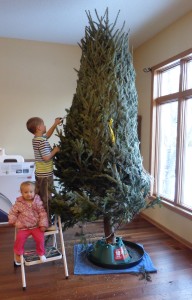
x=32, y=124
x=25, y=183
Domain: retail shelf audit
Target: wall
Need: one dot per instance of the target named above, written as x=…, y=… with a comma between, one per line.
x=36, y=79
x=168, y=43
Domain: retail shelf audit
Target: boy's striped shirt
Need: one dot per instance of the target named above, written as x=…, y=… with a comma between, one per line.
x=42, y=148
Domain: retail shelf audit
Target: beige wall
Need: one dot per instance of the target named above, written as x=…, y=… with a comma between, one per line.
x=36, y=79
x=170, y=42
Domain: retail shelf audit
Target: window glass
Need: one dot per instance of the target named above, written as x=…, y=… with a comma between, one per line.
x=170, y=81
x=186, y=198
x=167, y=150
x=189, y=75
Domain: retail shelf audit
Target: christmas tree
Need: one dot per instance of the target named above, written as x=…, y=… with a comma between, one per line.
x=99, y=167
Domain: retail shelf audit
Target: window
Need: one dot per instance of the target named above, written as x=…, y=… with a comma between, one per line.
x=171, y=155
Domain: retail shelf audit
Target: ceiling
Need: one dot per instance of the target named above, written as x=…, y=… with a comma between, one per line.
x=64, y=21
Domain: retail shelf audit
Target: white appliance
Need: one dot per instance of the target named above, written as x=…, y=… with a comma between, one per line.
x=13, y=171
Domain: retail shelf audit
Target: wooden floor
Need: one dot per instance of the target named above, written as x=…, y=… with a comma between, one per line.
x=173, y=261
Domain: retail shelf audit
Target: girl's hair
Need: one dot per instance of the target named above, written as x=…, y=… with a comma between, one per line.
x=26, y=183
x=32, y=124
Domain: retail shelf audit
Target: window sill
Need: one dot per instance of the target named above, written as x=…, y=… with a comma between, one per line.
x=177, y=209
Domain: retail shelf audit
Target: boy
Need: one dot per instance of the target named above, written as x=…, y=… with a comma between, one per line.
x=43, y=159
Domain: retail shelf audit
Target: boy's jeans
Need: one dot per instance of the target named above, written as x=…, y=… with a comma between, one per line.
x=43, y=189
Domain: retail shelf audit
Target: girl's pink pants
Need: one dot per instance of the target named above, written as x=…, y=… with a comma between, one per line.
x=21, y=237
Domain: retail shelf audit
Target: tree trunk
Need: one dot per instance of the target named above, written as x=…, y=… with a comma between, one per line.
x=109, y=231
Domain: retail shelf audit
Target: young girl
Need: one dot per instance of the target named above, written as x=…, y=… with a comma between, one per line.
x=30, y=218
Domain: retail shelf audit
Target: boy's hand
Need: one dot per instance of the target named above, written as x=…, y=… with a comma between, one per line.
x=58, y=121
x=56, y=149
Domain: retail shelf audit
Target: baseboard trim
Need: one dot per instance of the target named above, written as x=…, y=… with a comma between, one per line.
x=169, y=232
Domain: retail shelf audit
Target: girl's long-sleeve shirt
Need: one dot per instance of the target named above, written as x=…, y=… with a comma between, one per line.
x=24, y=215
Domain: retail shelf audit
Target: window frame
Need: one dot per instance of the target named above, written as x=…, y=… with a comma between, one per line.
x=156, y=101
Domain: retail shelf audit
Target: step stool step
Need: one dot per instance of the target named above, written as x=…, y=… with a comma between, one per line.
x=51, y=253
